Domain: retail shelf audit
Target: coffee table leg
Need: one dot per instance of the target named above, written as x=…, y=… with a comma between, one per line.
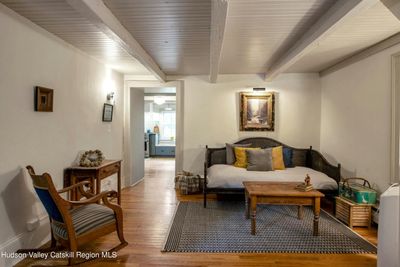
x=316, y=215
x=253, y=204
x=247, y=207
x=300, y=212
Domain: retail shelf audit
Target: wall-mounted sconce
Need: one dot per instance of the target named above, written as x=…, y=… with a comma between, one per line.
x=258, y=89
x=110, y=96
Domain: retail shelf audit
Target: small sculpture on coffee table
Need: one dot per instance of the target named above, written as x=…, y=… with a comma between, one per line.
x=306, y=186
x=307, y=181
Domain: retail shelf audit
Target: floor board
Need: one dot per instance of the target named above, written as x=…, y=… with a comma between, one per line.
x=148, y=209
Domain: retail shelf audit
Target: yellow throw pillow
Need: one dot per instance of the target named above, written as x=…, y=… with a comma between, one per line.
x=241, y=158
x=277, y=158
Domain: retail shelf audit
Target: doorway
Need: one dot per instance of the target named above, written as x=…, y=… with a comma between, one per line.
x=160, y=127
x=142, y=115
x=160, y=122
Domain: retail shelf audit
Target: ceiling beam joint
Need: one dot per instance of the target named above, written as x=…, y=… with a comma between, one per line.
x=101, y=16
x=219, y=14
x=334, y=17
x=393, y=6
x=367, y=52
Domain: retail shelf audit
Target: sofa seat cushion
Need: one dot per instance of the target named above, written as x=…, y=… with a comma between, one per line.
x=86, y=218
x=228, y=176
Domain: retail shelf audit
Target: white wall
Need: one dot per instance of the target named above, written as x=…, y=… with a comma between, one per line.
x=50, y=142
x=355, y=118
x=211, y=112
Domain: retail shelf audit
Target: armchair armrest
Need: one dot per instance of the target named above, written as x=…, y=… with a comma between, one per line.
x=69, y=188
x=94, y=199
x=79, y=185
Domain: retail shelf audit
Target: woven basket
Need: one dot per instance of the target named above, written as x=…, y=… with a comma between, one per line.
x=188, y=183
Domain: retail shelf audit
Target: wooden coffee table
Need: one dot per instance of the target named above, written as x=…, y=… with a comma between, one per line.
x=283, y=193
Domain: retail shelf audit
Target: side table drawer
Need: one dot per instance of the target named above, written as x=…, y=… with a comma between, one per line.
x=109, y=170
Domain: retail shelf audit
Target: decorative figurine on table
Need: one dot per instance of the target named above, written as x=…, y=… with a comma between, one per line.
x=307, y=181
x=306, y=186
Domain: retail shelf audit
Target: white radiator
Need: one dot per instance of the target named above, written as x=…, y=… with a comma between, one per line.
x=388, y=228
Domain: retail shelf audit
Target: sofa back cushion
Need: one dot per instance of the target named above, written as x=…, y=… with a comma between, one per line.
x=241, y=158
x=219, y=155
x=288, y=157
x=230, y=152
x=259, y=160
x=277, y=158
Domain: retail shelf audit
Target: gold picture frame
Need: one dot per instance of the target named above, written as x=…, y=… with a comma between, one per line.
x=257, y=111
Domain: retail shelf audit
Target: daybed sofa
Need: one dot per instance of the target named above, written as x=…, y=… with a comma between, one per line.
x=221, y=178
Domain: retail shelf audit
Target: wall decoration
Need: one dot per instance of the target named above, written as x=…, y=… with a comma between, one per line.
x=91, y=158
x=108, y=112
x=43, y=99
x=257, y=111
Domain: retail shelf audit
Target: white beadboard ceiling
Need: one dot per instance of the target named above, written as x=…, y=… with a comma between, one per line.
x=176, y=33
x=259, y=31
x=59, y=18
x=369, y=28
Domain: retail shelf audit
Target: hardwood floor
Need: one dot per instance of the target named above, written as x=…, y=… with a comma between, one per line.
x=148, y=209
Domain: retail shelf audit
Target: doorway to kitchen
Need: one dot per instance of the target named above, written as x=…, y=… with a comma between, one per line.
x=160, y=122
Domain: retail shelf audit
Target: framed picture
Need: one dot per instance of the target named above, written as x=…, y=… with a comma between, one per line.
x=257, y=111
x=107, y=112
x=43, y=99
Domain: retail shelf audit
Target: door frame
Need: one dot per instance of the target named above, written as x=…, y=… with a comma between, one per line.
x=395, y=119
x=179, y=85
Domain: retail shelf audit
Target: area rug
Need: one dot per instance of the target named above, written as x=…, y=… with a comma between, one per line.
x=222, y=227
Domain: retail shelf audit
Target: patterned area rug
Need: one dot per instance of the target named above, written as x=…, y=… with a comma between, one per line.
x=222, y=227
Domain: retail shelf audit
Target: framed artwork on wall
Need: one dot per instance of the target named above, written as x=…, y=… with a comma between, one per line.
x=257, y=111
x=43, y=99
x=108, y=112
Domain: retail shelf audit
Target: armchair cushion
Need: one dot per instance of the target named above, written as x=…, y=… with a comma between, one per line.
x=49, y=204
x=86, y=218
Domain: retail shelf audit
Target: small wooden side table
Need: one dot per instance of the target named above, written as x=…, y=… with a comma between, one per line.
x=76, y=174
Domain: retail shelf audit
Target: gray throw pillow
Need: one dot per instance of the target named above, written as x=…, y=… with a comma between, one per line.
x=259, y=160
x=230, y=152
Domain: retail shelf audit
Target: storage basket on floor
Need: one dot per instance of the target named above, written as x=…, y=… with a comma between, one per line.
x=188, y=183
x=356, y=192
x=353, y=214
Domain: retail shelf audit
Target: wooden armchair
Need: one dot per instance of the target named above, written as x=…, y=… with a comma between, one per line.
x=76, y=222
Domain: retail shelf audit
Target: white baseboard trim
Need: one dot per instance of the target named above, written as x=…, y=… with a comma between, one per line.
x=134, y=184
x=22, y=240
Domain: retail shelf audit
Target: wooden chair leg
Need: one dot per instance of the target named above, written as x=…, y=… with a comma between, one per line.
x=73, y=248
x=120, y=228
x=53, y=242
x=121, y=237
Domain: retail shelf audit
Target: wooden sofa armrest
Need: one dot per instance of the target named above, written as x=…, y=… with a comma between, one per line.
x=319, y=163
